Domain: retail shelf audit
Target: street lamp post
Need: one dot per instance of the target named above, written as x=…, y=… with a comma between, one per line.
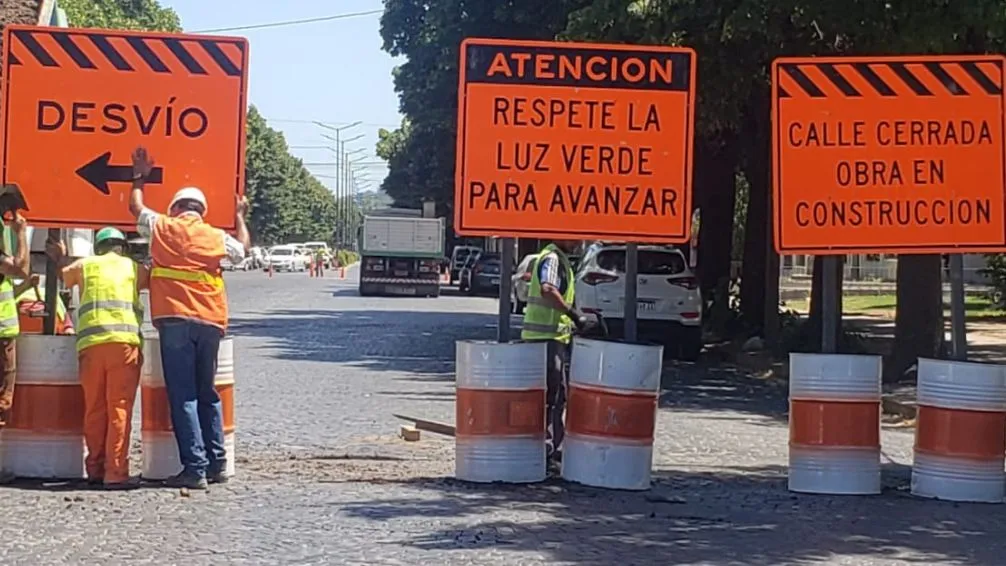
x=342, y=212
x=339, y=158
x=351, y=179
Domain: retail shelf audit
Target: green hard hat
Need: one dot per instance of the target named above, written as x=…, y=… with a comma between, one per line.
x=108, y=233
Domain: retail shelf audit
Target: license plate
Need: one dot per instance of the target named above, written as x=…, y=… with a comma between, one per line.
x=495, y=281
x=645, y=306
x=401, y=273
x=402, y=290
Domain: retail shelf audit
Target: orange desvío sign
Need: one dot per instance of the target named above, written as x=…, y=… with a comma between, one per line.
x=889, y=155
x=77, y=102
x=571, y=140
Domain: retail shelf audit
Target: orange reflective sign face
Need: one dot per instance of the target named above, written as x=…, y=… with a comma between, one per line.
x=575, y=141
x=889, y=155
x=77, y=102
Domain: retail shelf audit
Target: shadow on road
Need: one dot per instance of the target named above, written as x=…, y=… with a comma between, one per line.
x=723, y=516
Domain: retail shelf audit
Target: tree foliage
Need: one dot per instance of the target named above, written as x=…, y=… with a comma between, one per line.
x=287, y=203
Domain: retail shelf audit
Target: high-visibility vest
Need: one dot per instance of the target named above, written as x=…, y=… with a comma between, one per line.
x=542, y=322
x=9, y=325
x=109, y=310
x=186, y=279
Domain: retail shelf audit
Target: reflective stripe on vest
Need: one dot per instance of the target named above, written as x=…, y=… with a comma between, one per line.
x=10, y=327
x=542, y=322
x=191, y=276
x=109, y=304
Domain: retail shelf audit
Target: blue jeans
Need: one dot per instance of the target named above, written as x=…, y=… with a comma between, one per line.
x=189, y=359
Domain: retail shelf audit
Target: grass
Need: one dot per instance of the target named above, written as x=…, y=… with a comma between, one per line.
x=975, y=306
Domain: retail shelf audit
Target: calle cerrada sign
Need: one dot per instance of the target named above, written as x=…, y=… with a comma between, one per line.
x=76, y=103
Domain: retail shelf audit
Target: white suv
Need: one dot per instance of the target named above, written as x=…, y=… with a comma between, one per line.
x=669, y=304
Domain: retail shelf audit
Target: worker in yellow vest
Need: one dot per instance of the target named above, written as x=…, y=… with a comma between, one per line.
x=108, y=350
x=11, y=267
x=551, y=317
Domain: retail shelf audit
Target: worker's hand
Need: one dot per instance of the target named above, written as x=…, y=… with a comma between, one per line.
x=143, y=163
x=240, y=206
x=55, y=249
x=579, y=319
x=34, y=279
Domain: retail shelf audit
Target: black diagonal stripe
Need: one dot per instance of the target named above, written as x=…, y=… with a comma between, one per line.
x=941, y=74
x=151, y=58
x=72, y=50
x=110, y=53
x=184, y=56
x=37, y=51
x=803, y=81
x=909, y=79
x=983, y=80
x=782, y=92
x=221, y=58
x=870, y=76
x=835, y=77
x=14, y=60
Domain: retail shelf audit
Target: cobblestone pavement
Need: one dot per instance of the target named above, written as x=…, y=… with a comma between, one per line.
x=323, y=480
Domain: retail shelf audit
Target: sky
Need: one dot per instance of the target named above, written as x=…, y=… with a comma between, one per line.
x=332, y=71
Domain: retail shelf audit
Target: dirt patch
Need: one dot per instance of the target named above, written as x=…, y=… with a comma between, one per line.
x=17, y=12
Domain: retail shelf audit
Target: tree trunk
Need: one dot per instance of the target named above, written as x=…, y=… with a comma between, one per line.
x=717, y=192
x=757, y=277
x=918, y=328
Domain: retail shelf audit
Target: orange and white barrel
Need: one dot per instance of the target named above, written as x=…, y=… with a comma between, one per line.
x=500, y=412
x=611, y=413
x=160, y=451
x=834, y=424
x=960, y=431
x=45, y=435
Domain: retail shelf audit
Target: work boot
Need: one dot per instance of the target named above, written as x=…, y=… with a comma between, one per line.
x=131, y=483
x=217, y=478
x=187, y=480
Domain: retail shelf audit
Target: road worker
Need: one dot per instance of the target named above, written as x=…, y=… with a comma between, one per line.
x=319, y=263
x=550, y=316
x=109, y=350
x=11, y=267
x=188, y=306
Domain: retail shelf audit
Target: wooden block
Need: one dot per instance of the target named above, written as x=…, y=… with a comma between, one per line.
x=408, y=433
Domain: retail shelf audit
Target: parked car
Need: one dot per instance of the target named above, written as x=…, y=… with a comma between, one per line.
x=459, y=258
x=245, y=264
x=668, y=303
x=481, y=274
x=286, y=258
x=520, y=282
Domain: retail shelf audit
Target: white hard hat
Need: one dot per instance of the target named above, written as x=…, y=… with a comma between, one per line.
x=189, y=193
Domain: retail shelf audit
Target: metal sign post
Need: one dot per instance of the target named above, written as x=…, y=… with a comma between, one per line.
x=958, y=329
x=506, y=277
x=631, y=295
x=831, y=304
x=51, y=287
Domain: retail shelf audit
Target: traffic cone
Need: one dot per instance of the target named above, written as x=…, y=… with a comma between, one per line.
x=342, y=273
x=270, y=271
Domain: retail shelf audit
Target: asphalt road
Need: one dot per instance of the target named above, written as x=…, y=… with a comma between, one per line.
x=324, y=480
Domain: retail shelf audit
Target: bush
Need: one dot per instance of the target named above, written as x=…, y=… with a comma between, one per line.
x=995, y=271
x=346, y=257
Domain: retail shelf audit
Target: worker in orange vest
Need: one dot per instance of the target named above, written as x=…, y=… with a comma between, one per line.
x=188, y=306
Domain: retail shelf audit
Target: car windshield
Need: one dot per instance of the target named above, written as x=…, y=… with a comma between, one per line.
x=651, y=262
x=284, y=251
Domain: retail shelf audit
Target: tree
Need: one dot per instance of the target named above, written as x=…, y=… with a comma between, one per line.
x=146, y=15
x=429, y=33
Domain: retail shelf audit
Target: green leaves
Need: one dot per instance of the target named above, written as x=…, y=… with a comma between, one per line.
x=146, y=15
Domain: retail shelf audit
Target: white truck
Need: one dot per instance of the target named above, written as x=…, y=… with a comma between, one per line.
x=401, y=255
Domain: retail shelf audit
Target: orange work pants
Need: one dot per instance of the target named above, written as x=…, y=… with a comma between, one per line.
x=109, y=376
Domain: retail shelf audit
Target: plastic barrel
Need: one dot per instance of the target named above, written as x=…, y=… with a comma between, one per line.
x=500, y=412
x=960, y=434
x=611, y=414
x=834, y=424
x=45, y=435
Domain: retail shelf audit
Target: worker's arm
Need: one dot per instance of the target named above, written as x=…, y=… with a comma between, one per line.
x=548, y=274
x=142, y=277
x=18, y=266
x=240, y=210
x=142, y=165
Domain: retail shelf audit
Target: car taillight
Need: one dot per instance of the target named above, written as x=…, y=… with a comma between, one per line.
x=689, y=283
x=596, y=278
x=690, y=315
x=526, y=276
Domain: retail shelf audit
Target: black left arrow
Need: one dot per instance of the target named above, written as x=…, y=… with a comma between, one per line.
x=99, y=173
